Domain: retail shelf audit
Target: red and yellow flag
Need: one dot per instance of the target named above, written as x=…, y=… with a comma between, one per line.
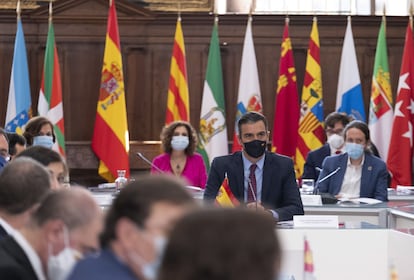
x=225, y=197
x=110, y=140
x=311, y=132
x=286, y=121
x=178, y=107
x=308, y=262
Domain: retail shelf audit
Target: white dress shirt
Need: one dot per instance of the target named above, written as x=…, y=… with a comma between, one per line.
x=351, y=185
x=31, y=254
x=7, y=227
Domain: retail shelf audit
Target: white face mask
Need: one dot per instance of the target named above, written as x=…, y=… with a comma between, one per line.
x=150, y=269
x=179, y=143
x=60, y=266
x=43, y=140
x=335, y=141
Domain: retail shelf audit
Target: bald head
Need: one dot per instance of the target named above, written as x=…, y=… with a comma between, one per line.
x=23, y=183
x=75, y=207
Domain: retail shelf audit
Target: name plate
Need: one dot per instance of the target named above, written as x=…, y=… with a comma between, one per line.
x=315, y=221
x=311, y=200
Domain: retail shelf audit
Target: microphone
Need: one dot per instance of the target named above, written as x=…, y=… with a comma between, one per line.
x=330, y=174
x=316, y=190
x=140, y=155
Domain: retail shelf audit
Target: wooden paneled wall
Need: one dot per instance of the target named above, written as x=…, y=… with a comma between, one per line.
x=146, y=40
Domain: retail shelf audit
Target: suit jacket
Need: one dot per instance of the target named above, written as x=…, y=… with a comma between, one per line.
x=14, y=264
x=279, y=189
x=374, y=176
x=104, y=266
x=314, y=160
x=3, y=233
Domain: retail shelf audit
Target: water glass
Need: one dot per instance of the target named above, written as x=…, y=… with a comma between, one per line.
x=307, y=186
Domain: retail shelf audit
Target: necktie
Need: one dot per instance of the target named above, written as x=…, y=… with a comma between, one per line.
x=252, y=186
x=337, y=152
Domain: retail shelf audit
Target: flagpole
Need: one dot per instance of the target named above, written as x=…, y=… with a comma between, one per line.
x=215, y=12
x=50, y=11
x=179, y=10
x=252, y=7
x=18, y=10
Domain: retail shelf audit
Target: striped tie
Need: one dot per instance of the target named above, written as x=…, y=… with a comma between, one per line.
x=252, y=190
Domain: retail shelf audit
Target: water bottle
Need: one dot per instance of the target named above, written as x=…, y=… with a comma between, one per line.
x=121, y=180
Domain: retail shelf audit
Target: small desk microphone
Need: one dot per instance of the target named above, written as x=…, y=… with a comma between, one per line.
x=316, y=191
x=140, y=155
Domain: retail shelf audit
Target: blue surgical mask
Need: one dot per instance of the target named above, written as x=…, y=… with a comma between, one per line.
x=43, y=140
x=354, y=150
x=150, y=269
x=3, y=162
x=60, y=266
x=180, y=142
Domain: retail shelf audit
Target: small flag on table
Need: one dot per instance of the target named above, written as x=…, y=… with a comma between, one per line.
x=308, y=263
x=225, y=197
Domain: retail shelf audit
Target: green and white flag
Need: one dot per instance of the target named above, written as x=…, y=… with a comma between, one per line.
x=213, y=130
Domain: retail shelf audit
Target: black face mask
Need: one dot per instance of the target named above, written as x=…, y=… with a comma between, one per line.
x=255, y=148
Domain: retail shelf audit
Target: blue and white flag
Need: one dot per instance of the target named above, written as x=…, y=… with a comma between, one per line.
x=349, y=95
x=19, y=102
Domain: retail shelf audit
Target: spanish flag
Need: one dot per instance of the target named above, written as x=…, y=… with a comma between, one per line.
x=225, y=197
x=178, y=101
x=308, y=262
x=110, y=140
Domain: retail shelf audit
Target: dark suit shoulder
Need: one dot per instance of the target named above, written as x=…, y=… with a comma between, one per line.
x=278, y=158
x=14, y=264
x=322, y=150
x=370, y=158
x=230, y=157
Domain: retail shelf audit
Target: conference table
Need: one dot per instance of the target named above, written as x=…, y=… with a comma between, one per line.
x=370, y=240
x=396, y=213
x=355, y=252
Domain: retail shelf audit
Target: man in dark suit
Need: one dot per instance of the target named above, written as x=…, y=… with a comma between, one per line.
x=23, y=184
x=357, y=173
x=136, y=228
x=334, y=125
x=62, y=229
x=263, y=180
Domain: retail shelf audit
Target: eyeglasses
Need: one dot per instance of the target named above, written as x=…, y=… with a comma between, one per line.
x=334, y=131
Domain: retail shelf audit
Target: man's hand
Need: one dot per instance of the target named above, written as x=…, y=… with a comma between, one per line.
x=255, y=206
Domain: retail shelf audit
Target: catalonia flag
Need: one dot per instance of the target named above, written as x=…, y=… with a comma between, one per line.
x=110, y=140
x=178, y=101
x=225, y=197
x=311, y=132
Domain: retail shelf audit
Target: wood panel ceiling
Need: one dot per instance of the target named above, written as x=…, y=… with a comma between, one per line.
x=154, y=5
